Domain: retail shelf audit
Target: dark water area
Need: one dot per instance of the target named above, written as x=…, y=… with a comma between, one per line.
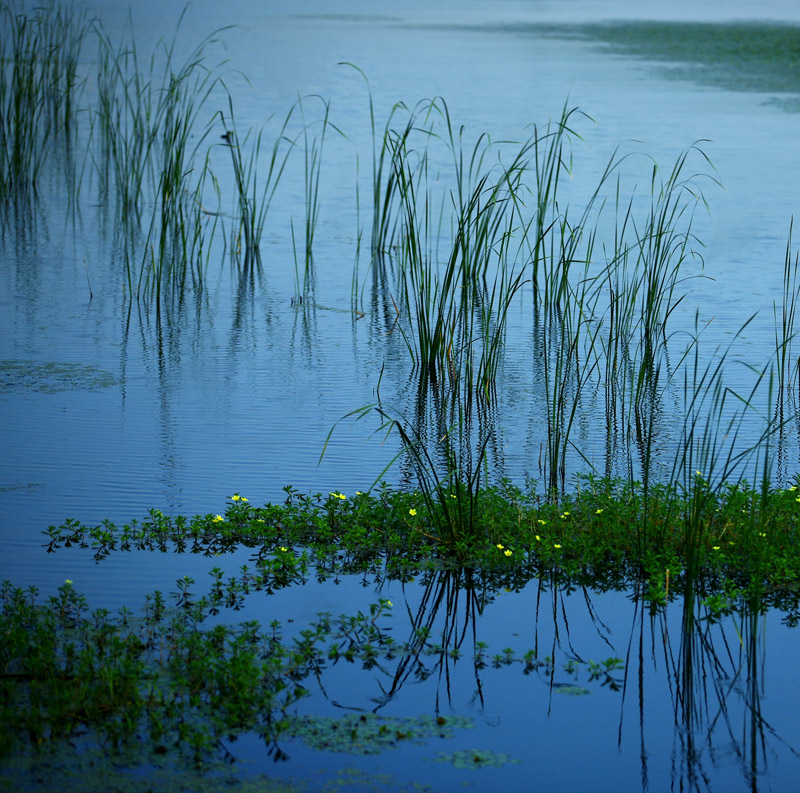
x=112, y=405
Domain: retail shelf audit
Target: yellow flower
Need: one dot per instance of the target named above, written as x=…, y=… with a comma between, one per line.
x=715, y=547
x=500, y=546
x=244, y=500
x=507, y=552
x=389, y=603
x=284, y=548
x=338, y=495
x=235, y=497
x=556, y=545
x=412, y=512
x=217, y=518
x=598, y=512
x=762, y=534
x=542, y=522
x=564, y=515
x=68, y=581
x=538, y=538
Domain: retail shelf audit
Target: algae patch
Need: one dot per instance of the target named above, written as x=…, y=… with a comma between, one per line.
x=476, y=758
x=368, y=733
x=570, y=690
x=52, y=377
x=736, y=56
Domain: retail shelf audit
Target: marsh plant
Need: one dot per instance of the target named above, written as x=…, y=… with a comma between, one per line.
x=40, y=88
x=254, y=190
x=150, y=127
x=463, y=232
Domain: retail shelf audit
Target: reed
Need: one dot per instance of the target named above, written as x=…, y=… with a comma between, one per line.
x=312, y=169
x=394, y=144
x=462, y=304
x=39, y=87
x=787, y=361
x=149, y=138
x=253, y=195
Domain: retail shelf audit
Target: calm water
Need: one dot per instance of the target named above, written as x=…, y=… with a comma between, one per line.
x=108, y=410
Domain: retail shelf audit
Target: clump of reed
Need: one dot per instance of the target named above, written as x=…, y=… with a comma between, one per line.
x=40, y=87
x=149, y=134
x=313, y=146
x=455, y=306
x=253, y=196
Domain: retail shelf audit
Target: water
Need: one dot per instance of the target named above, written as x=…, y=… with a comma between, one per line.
x=119, y=410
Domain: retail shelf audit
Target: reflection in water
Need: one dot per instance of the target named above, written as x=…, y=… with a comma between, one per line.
x=699, y=663
x=713, y=663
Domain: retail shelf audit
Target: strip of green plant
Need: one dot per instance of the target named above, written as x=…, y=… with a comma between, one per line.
x=605, y=533
x=740, y=56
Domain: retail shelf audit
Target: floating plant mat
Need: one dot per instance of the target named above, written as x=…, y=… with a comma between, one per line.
x=476, y=758
x=736, y=56
x=52, y=377
x=369, y=733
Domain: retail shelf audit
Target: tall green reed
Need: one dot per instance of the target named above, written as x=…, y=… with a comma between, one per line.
x=253, y=196
x=312, y=169
x=460, y=304
x=787, y=361
x=39, y=87
x=384, y=187
x=149, y=137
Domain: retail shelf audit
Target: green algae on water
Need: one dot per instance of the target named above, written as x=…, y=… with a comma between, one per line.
x=476, y=758
x=369, y=733
x=52, y=377
x=737, y=56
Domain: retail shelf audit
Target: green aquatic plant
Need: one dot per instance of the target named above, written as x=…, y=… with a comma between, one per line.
x=312, y=170
x=462, y=304
x=392, y=145
x=40, y=49
x=148, y=139
x=369, y=733
x=594, y=531
x=254, y=196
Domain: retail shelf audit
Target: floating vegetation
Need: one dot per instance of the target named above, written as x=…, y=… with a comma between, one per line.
x=369, y=733
x=52, y=377
x=740, y=56
x=476, y=758
x=570, y=690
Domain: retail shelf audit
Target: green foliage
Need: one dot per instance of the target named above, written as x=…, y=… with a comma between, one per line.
x=605, y=532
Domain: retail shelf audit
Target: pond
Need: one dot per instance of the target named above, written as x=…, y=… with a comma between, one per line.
x=130, y=381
